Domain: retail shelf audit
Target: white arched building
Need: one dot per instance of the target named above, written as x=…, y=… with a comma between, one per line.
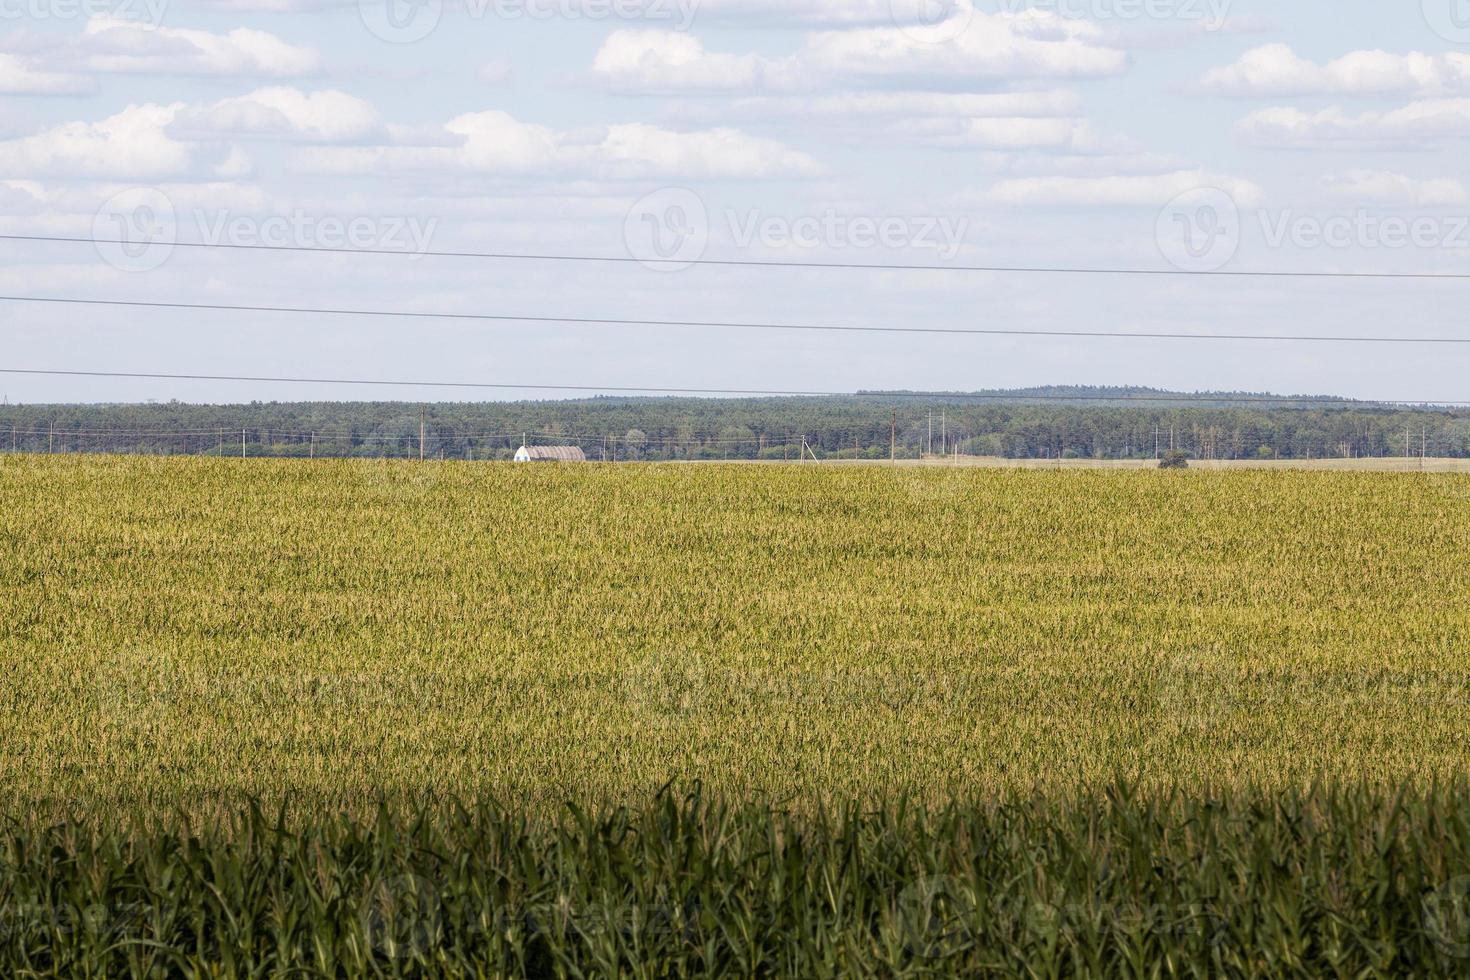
x=550, y=454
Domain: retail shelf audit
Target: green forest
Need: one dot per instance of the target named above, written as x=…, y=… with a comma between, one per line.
x=1045, y=423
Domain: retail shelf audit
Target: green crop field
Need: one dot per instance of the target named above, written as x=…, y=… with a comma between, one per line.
x=178, y=630
x=944, y=720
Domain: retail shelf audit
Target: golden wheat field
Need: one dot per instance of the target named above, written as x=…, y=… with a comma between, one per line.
x=177, y=630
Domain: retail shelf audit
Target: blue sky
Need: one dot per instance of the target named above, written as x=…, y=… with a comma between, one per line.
x=1207, y=135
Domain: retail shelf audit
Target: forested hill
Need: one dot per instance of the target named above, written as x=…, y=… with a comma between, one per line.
x=1109, y=423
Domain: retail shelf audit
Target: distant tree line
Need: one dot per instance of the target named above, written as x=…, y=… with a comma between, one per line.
x=1098, y=424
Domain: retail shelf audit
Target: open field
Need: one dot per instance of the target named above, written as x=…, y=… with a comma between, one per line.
x=180, y=630
x=1367, y=464
x=871, y=672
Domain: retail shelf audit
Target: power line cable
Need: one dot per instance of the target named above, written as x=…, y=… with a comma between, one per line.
x=762, y=263
x=1200, y=400
x=712, y=324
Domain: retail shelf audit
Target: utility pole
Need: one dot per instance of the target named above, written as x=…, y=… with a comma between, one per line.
x=1423, y=446
x=242, y=443
x=929, y=446
x=313, y=445
x=222, y=443
x=944, y=432
x=51, y=439
x=892, y=439
x=421, y=434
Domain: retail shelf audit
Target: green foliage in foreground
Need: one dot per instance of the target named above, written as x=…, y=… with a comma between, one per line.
x=1327, y=883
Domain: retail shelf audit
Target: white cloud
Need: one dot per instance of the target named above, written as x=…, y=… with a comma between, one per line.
x=1276, y=70
x=972, y=105
x=1016, y=133
x=1033, y=163
x=497, y=143
x=1032, y=44
x=633, y=150
x=19, y=77
x=812, y=13
x=666, y=61
x=1423, y=123
x=1364, y=187
x=235, y=166
x=328, y=116
x=1154, y=190
x=21, y=197
x=114, y=45
x=991, y=49
x=133, y=143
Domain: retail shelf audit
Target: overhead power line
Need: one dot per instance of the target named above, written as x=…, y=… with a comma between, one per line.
x=758, y=263
x=727, y=325
x=1017, y=398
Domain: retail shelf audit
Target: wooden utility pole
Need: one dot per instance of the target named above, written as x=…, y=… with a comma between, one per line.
x=421, y=435
x=893, y=440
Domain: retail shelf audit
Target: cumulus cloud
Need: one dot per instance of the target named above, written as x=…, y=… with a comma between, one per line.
x=812, y=13
x=990, y=49
x=497, y=143
x=1154, y=190
x=1039, y=120
x=1277, y=70
x=133, y=143
x=284, y=113
x=871, y=105
x=1001, y=46
x=1383, y=187
x=1426, y=122
x=745, y=13
x=114, y=45
x=21, y=197
x=665, y=61
x=18, y=76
